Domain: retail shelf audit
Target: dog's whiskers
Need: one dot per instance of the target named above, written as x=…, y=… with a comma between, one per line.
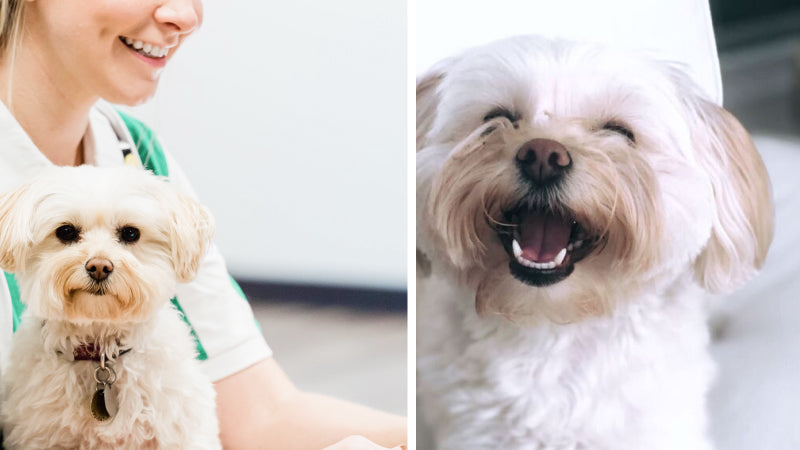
x=497, y=224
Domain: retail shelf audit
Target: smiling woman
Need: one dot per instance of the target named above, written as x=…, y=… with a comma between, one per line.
x=61, y=61
x=82, y=50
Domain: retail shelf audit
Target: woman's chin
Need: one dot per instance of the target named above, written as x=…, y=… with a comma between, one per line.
x=132, y=95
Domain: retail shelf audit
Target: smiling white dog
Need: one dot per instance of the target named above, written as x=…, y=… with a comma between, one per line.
x=101, y=359
x=574, y=206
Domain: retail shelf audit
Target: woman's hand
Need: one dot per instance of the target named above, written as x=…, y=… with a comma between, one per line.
x=259, y=407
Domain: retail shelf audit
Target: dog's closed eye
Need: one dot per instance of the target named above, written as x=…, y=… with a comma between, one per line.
x=501, y=112
x=68, y=233
x=621, y=129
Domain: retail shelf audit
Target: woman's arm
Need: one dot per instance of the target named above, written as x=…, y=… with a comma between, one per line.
x=260, y=408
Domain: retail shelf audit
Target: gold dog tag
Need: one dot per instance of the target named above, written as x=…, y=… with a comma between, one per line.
x=98, y=405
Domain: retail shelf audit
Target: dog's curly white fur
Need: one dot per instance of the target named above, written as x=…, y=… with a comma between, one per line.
x=164, y=400
x=659, y=198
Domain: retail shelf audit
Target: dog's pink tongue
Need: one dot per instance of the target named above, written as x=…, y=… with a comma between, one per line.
x=543, y=236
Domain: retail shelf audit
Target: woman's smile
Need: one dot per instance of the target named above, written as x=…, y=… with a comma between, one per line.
x=152, y=54
x=145, y=48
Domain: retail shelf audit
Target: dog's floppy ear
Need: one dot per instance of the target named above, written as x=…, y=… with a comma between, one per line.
x=190, y=233
x=427, y=105
x=428, y=100
x=742, y=229
x=16, y=221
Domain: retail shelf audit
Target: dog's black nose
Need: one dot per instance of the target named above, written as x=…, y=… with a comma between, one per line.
x=543, y=160
x=99, y=268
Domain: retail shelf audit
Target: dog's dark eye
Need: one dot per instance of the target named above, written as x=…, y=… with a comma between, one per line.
x=128, y=234
x=620, y=129
x=67, y=233
x=501, y=112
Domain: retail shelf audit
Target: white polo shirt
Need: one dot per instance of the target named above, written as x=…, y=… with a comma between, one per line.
x=221, y=319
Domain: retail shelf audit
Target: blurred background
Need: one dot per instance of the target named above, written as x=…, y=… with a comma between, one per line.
x=756, y=399
x=290, y=120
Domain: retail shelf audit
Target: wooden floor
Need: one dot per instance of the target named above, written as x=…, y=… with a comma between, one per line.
x=357, y=356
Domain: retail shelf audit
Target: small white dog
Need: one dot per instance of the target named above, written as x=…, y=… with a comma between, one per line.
x=101, y=359
x=574, y=206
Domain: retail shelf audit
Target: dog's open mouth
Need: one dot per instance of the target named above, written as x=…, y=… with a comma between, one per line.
x=543, y=246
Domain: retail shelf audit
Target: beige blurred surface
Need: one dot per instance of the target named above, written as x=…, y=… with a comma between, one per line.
x=356, y=356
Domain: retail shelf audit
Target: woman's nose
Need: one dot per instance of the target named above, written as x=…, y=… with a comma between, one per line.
x=182, y=15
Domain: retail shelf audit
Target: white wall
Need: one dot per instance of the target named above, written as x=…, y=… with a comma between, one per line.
x=675, y=30
x=290, y=119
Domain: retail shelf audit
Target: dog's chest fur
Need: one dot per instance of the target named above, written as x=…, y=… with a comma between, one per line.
x=164, y=400
x=607, y=383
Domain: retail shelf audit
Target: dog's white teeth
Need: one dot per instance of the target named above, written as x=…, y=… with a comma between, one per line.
x=517, y=249
x=574, y=245
x=540, y=266
x=560, y=257
x=515, y=246
x=525, y=262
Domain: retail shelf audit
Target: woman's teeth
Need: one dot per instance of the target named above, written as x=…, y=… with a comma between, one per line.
x=150, y=50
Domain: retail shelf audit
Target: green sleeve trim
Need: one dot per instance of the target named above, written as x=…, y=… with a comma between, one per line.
x=237, y=288
x=201, y=352
x=16, y=303
x=239, y=291
x=148, y=147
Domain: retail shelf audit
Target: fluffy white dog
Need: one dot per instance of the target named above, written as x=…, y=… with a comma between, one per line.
x=101, y=359
x=574, y=206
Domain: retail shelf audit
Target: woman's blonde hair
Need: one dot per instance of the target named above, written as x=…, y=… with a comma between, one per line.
x=11, y=14
x=10, y=23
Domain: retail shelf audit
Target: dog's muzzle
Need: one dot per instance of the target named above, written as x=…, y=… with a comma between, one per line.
x=543, y=243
